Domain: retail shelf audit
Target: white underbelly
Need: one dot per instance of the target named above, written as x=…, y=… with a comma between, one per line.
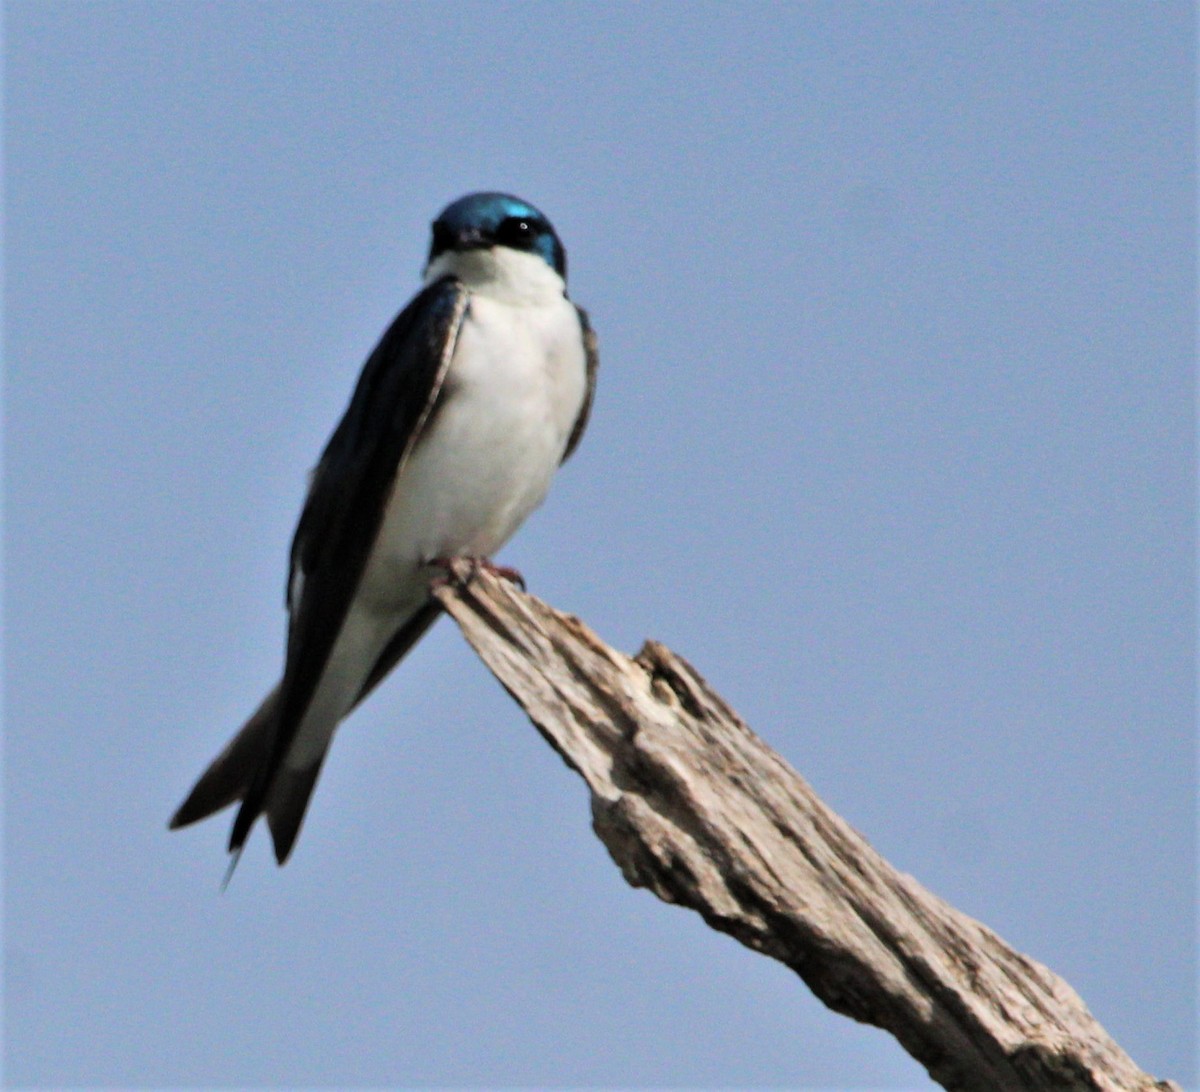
x=486, y=462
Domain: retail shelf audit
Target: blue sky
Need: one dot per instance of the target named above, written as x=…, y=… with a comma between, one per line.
x=894, y=442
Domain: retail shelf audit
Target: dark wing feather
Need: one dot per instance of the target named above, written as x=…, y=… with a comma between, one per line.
x=409, y=634
x=591, y=347
x=396, y=392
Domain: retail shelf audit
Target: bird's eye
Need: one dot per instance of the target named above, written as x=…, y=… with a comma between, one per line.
x=517, y=231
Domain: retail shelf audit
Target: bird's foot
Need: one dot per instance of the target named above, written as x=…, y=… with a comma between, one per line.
x=477, y=564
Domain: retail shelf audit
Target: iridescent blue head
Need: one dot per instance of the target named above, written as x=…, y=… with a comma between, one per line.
x=480, y=221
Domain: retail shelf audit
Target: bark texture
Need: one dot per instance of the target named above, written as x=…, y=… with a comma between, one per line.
x=694, y=806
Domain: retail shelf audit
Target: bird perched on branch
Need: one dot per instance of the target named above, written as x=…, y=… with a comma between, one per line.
x=475, y=394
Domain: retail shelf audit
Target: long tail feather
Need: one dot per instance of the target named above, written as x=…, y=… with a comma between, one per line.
x=245, y=771
x=230, y=776
x=230, y=773
x=287, y=803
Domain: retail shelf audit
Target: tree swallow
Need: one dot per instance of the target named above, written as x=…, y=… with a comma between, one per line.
x=474, y=395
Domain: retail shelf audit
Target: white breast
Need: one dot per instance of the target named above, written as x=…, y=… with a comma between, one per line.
x=513, y=392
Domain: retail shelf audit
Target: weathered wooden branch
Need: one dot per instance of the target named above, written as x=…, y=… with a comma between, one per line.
x=694, y=806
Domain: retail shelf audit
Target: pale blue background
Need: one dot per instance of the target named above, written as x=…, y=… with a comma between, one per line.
x=893, y=441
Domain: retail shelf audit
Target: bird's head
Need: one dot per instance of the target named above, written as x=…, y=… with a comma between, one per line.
x=489, y=236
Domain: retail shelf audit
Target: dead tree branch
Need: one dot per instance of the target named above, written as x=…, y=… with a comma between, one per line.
x=694, y=806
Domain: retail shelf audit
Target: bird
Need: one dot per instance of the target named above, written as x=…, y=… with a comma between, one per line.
x=478, y=390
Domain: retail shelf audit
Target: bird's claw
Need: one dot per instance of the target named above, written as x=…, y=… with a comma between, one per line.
x=477, y=564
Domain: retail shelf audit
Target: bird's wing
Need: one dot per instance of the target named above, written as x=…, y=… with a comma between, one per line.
x=397, y=394
x=591, y=347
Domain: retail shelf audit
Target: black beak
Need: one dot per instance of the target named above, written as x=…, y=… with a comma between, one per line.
x=446, y=238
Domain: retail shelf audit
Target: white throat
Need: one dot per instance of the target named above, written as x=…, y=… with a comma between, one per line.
x=514, y=276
